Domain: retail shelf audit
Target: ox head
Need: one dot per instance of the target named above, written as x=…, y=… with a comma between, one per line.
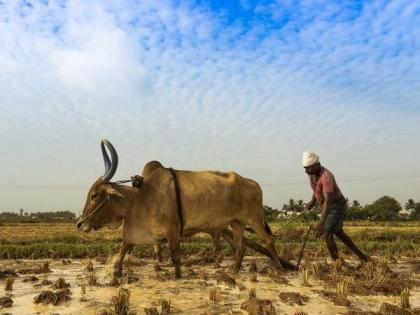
x=98, y=210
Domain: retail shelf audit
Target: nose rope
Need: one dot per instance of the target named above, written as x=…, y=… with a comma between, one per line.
x=84, y=219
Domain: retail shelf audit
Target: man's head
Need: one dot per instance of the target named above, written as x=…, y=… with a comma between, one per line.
x=311, y=163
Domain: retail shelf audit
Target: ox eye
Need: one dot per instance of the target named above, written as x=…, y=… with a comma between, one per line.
x=93, y=196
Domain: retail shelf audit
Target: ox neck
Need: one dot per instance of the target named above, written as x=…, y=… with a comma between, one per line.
x=122, y=205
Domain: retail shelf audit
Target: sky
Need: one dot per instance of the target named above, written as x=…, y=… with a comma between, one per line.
x=242, y=86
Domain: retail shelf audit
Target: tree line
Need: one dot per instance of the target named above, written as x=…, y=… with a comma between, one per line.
x=385, y=208
x=37, y=217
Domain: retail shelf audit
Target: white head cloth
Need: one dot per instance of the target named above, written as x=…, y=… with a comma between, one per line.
x=309, y=159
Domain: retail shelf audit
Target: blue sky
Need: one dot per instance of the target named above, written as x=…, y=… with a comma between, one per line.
x=241, y=86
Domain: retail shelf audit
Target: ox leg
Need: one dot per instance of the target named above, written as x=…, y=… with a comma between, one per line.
x=217, y=244
x=238, y=240
x=175, y=248
x=125, y=247
x=158, y=252
x=264, y=234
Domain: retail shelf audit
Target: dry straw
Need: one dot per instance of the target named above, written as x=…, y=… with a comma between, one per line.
x=91, y=277
x=304, y=273
x=121, y=302
x=203, y=275
x=343, y=289
x=83, y=293
x=254, y=278
x=165, y=306
x=9, y=283
x=405, y=298
x=375, y=276
x=383, y=264
x=369, y=270
x=60, y=283
x=337, y=268
x=315, y=269
x=213, y=295
x=252, y=294
x=151, y=311
x=89, y=265
x=338, y=265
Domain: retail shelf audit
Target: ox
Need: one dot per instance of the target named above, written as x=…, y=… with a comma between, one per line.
x=169, y=204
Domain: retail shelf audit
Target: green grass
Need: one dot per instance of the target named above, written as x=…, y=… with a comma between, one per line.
x=64, y=241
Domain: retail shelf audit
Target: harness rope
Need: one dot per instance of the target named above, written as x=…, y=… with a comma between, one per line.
x=131, y=203
x=123, y=181
x=178, y=201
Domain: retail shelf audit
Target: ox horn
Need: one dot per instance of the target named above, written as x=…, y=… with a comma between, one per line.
x=110, y=165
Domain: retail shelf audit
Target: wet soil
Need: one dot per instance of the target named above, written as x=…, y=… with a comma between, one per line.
x=149, y=283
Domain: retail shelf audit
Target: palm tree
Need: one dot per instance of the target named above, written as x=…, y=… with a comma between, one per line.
x=300, y=205
x=410, y=205
x=291, y=204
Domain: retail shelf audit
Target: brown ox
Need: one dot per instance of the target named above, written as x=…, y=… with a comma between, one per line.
x=211, y=201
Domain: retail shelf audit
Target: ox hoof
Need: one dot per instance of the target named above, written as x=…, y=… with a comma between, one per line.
x=118, y=273
x=114, y=282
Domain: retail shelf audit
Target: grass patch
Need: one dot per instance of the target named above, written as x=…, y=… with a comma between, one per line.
x=59, y=241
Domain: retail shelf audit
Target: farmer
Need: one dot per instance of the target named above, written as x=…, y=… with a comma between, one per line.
x=333, y=206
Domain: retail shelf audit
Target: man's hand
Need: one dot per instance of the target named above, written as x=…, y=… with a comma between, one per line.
x=320, y=229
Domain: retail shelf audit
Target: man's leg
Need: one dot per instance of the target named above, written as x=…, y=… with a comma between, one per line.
x=332, y=246
x=349, y=243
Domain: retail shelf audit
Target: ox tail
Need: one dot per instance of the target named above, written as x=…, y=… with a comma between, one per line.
x=267, y=228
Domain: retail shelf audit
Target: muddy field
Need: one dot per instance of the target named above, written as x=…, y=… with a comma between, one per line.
x=65, y=286
x=54, y=269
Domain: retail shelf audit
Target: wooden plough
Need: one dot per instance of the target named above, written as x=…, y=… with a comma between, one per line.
x=228, y=237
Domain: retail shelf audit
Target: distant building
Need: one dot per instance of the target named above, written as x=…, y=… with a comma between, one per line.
x=285, y=214
x=405, y=214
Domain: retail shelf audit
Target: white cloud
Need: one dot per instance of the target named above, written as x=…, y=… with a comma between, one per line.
x=107, y=58
x=180, y=84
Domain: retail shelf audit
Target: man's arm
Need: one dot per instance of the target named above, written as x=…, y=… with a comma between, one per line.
x=324, y=214
x=326, y=207
x=311, y=203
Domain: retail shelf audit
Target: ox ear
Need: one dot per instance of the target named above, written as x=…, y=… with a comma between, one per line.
x=112, y=192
